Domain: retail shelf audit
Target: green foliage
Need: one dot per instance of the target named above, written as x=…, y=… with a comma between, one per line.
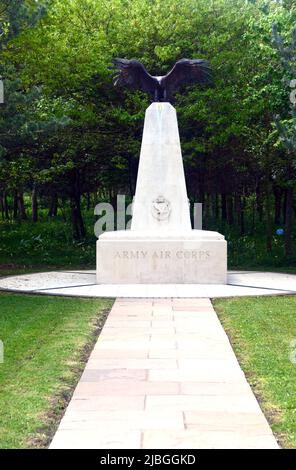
x=17, y=15
x=261, y=331
x=287, y=127
x=74, y=64
x=229, y=141
x=48, y=242
x=25, y=117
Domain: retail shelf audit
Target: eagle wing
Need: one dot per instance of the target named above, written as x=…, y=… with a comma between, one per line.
x=185, y=72
x=133, y=74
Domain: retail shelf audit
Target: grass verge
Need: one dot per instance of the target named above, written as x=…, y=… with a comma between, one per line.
x=46, y=343
x=262, y=331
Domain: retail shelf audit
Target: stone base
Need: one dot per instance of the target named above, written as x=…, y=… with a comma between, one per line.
x=135, y=257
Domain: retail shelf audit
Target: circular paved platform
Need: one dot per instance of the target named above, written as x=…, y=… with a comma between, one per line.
x=83, y=284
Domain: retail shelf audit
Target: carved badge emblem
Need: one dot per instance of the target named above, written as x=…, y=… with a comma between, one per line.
x=161, y=208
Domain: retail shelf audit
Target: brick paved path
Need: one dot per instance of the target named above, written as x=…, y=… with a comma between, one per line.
x=163, y=375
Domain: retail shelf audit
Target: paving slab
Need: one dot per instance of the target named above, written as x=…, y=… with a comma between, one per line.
x=193, y=439
x=177, y=387
x=83, y=284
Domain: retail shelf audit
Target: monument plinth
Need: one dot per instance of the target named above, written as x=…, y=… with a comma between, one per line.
x=161, y=246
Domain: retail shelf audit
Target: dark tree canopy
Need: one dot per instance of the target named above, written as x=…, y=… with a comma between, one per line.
x=238, y=162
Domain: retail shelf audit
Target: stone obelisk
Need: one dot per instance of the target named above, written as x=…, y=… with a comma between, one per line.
x=161, y=246
x=161, y=181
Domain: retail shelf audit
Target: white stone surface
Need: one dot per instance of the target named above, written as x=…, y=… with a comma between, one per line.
x=154, y=235
x=83, y=284
x=161, y=247
x=161, y=172
x=131, y=257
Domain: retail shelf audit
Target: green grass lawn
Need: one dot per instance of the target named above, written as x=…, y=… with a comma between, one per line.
x=46, y=343
x=261, y=330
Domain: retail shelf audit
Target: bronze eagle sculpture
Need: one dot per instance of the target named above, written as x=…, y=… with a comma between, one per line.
x=133, y=74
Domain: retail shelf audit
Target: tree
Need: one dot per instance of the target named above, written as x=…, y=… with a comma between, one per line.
x=287, y=127
x=23, y=122
x=232, y=160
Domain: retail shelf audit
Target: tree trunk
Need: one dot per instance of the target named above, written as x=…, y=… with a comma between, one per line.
x=202, y=197
x=15, y=205
x=288, y=224
x=242, y=203
x=278, y=195
x=211, y=207
x=237, y=209
x=207, y=209
x=75, y=203
x=132, y=174
x=5, y=205
x=77, y=219
x=34, y=205
x=217, y=207
x=95, y=198
x=223, y=207
x=268, y=218
x=229, y=209
x=284, y=207
x=253, y=216
x=21, y=206
x=259, y=203
x=2, y=205
x=53, y=207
